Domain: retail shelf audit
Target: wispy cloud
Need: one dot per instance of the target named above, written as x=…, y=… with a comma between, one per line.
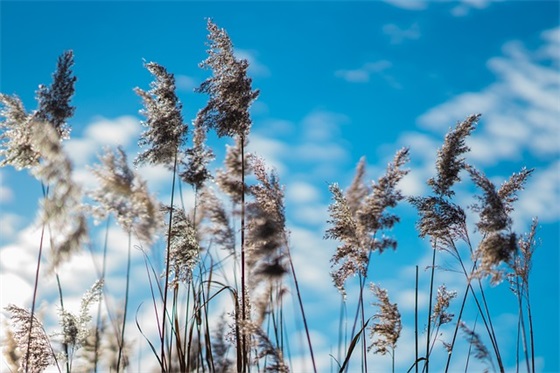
x=541, y=196
x=256, y=67
x=408, y=4
x=464, y=7
x=121, y=131
x=520, y=117
x=185, y=83
x=363, y=73
x=398, y=35
x=459, y=8
x=520, y=109
x=6, y=194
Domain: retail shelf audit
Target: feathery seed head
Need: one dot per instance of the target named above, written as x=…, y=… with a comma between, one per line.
x=220, y=229
x=54, y=101
x=494, y=249
x=166, y=131
x=229, y=88
x=388, y=327
x=61, y=209
x=480, y=350
x=440, y=219
x=183, y=245
x=440, y=315
x=17, y=148
x=229, y=178
x=356, y=218
x=197, y=158
x=40, y=354
x=449, y=161
x=122, y=192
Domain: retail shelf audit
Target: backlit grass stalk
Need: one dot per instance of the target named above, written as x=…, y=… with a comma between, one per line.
x=123, y=326
x=99, y=306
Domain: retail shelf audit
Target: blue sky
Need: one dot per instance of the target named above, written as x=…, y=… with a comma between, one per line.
x=338, y=81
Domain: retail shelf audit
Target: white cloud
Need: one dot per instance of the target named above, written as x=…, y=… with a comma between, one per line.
x=12, y=294
x=312, y=214
x=81, y=150
x=114, y=132
x=363, y=74
x=408, y=4
x=6, y=194
x=318, y=144
x=541, y=196
x=185, y=83
x=320, y=125
x=256, y=68
x=301, y=192
x=464, y=7
x=102, y=132
x=311, y=255
x=270, y=150
x=315, y=152
x=9, y=225
x=275, y=128
x=458, y=8
x=398, y=35
x=520, y=109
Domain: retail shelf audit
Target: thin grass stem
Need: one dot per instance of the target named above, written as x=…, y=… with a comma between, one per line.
x=426, y=364
x=45, y=191
x=168, y=250
x=416, y=321
x=64, y=344
x=245, y=356
x=127, y=286
x=302, y=310
x=99, y=305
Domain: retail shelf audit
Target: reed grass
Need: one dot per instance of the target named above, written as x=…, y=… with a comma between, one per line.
x=207, y=243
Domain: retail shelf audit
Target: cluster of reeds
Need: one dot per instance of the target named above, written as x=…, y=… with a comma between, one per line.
x=232, y=247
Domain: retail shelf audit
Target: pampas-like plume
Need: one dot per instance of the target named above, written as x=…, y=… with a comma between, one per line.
x=480, y=350
x=449, y=161
x=220, y=347
x=527, y=243
x=229, y=88
x=499, y=243
x=41, y=353
x=54, y=101
x=16, y=149
x=440, y=315
x=265, y=348
x=220, y=229
x=356, y=220
x=266, y=227
x=122, y=192
x=440, y=219
x=197, y=158
x=183, y=245
x=76, y=328
x=166, y=131
x=229, y=179
x=388, y=327
x=61, y=210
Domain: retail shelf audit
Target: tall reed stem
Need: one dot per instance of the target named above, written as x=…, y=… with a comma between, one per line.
x=426, y=365
x=302, y=310
x=121, y=343
x=64, y=344
x=99, y=305
x=416, y=322
x=168, y=250
x=36, y=284
x=243, y=295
